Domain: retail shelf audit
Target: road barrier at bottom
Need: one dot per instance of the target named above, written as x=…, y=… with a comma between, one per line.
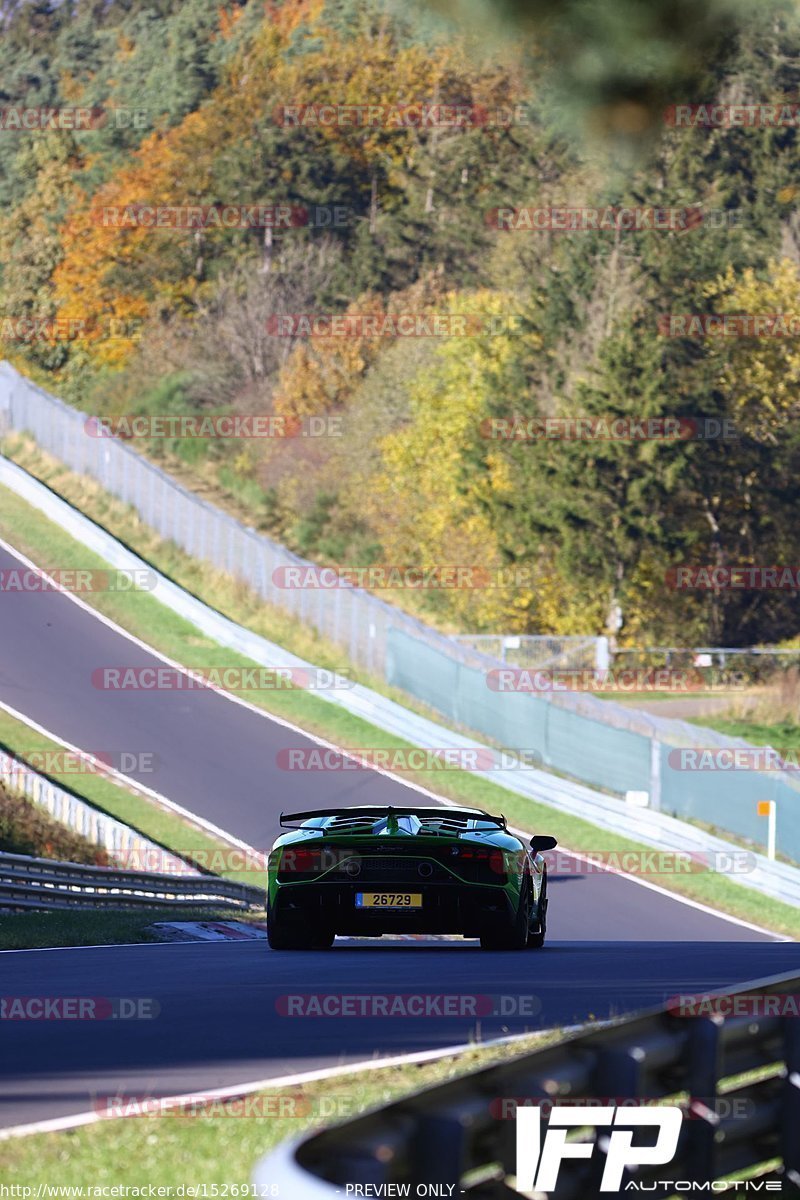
x=729, y=1062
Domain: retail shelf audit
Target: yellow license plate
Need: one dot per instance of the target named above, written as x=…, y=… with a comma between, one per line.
x=388, y=900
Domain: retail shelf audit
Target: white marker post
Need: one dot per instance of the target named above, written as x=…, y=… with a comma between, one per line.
x=767, y=808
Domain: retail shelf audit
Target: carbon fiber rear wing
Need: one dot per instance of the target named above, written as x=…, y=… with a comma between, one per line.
x=378, y=811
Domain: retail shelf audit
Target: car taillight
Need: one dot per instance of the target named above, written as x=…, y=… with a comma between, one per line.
x=300, y=862
x=481, y=855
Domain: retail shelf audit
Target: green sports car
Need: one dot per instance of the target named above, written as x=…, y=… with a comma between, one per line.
x=373, y=870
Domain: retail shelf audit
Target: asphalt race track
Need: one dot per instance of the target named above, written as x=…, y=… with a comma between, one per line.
x=615, y=946
x=220, y=1021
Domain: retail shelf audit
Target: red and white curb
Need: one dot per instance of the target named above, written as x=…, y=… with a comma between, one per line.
x=210, y=931
x=240, y=931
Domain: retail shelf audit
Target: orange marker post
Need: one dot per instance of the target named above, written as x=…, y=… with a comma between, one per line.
x=766, y=808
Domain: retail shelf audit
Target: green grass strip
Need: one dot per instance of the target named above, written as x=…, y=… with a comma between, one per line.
x=102, y=926
x=216, y=1149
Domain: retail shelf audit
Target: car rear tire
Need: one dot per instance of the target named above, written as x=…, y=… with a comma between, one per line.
x=537, y=937
x=284, y=936
x=299, y=935
x=514, y=934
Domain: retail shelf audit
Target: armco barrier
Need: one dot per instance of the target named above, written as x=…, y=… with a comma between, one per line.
x=41, y=883
x=459, y=1138
x=609, y=745
x=97, y=827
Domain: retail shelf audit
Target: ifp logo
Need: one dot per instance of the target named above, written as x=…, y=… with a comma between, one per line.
x=538, y=1165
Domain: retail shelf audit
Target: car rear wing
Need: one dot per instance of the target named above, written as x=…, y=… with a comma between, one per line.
x=378, y=811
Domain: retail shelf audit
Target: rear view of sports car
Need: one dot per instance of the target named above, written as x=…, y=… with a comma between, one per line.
x=371, y=871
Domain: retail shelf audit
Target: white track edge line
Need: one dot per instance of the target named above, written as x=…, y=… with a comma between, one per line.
x=231, y=1091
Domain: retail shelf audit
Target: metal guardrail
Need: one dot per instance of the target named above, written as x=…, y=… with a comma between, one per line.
x=39, y=883
x=462, y=1134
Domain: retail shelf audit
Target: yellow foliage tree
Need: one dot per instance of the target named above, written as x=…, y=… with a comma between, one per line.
x=761, y=374
x=431, y=502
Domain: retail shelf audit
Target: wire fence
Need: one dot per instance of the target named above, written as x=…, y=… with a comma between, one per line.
x=726, y=667
x=538, y=652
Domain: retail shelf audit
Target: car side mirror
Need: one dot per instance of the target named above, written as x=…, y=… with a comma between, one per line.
x=543, y=842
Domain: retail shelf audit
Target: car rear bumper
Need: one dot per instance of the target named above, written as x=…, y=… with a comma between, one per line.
x=446, y=908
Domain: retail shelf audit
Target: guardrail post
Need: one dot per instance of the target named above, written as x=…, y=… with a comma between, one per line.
x=700, y=1135
x=790, y=1123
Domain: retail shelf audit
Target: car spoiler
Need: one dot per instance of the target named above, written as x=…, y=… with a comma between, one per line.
x=383, y=810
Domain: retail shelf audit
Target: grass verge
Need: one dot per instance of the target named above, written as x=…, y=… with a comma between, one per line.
x=101, y=927
x=782, y=735
x=170, y=1150
x=140, y=613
